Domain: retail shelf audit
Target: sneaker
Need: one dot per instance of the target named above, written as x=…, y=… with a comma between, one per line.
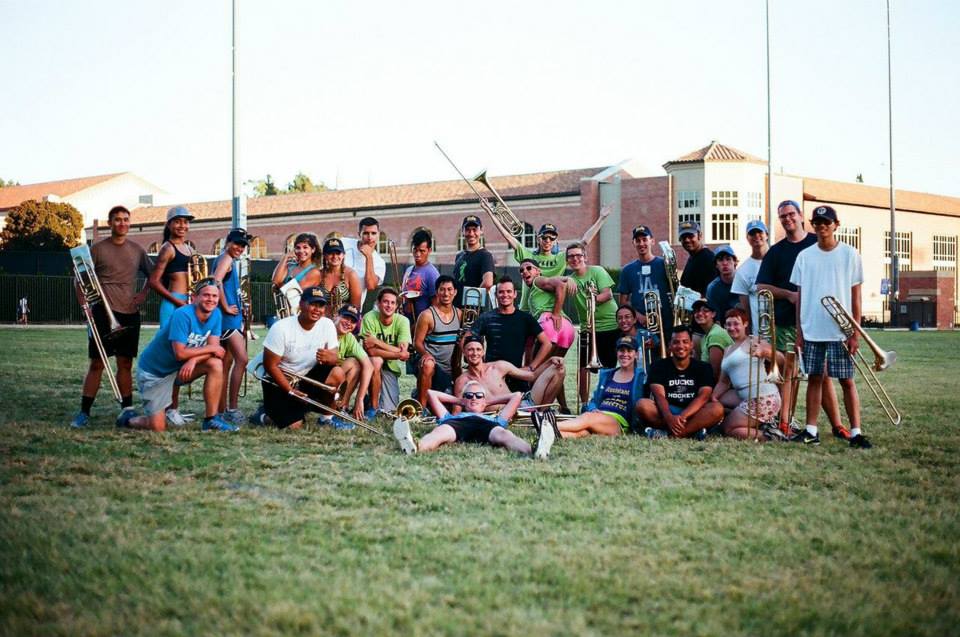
x=259, y=417
x=860, y=442
x=806, y=438
x=700, y=435
x=175, y=418
x=370, y=414
x=536, y=419
x=217, y=423
x=234, y=416
x=655, y=434
x=401, y=431
x=841, y=432
x=544, y=441
x=80, y=421
x=772, y=432
x=342, y=425
x=123, y=420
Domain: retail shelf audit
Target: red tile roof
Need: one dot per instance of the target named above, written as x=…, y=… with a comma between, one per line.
x=510, y=186
x=13, y=196
x=826, y=191
x=715, y=152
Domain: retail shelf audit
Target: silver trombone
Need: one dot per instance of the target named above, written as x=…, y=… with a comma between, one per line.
x=757, y=373
x=653, y=311
x=882, y=359
x=92, y=293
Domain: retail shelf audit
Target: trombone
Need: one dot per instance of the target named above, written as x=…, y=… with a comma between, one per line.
x=498, y=211
x=651, y=305
x=882, y=360
x=756, y=371
x=89, y=286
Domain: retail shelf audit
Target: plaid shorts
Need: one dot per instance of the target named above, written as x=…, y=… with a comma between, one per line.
x=839, y=361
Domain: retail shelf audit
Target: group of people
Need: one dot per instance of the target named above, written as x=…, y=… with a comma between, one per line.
x=473, y=341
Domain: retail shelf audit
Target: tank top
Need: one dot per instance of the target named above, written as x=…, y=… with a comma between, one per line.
x=179, y=263
x=231, y=293
x=298, y=277
x=339, y=294
x=616, y=398
x=736, y=365
x=440, y=342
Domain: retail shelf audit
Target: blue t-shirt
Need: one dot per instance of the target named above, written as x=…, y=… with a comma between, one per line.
x=184, y=327
x=231, y=293
x=422, y=279
x=638, y=278
x=721, y=298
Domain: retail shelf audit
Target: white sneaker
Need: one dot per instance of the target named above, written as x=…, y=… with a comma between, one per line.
x=175, y=418
x=401, y=431
x=547, y=437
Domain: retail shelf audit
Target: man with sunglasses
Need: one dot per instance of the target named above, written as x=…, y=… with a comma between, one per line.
x=473, y=424
x=774, y=275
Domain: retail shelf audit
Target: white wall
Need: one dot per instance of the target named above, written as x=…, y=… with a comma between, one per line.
x=123, y=190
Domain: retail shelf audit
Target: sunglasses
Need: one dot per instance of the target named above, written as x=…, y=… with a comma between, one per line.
x=526, y=268
x=473, y=395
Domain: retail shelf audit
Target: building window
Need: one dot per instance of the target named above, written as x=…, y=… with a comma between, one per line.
x=258, y=248
x=217, y=247
x=528, y=239
x=383, y=244
x=850, y=236
x=944, y=253
x=684, y=217
x=146, y=200
x=462, y=245
x=754, y=200
x=904, y=250
x=288, y=242
x=153, y=248
x=687, y=200
x=725, y=198
x=725, y=226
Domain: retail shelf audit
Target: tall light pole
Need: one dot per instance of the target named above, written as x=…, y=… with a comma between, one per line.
x=239, y=207
x=894, y=258
x=769, y=220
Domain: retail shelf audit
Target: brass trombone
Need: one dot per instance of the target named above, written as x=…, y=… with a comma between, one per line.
x=593, y=360
x=882, y=360
x=92, y=293
x=499, y=211
x=472, y=306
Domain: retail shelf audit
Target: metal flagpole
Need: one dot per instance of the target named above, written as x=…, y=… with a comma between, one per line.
x=239, y=207
x=894, y=257
x=769, y=219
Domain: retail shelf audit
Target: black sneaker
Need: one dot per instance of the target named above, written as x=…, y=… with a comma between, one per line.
x=536, y=419
x=806, y=438
x=860, y=442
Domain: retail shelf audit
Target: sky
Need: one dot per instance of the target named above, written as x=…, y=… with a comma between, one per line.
x=355, y=93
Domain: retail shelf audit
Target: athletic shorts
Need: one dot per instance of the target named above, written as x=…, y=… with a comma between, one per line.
x=283, y=409
x=167, y=308
x=226, y=334
x=156, y=391
x=606, y=349
x=839, y=362
x=786, y=338
x=624, y=425
x=125, y=344
x=441, y=381
x=564, y=337
x=473, y=428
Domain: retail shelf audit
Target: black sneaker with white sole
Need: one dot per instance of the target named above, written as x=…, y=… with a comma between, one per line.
x=860, y=442
x=807, y=438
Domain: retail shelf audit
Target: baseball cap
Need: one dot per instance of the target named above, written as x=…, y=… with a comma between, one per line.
x=703, y=303
x=824, y=212
x=548, y=228
x=471, y=338
x=178, y=211
x=725, y=251
x=471, y=220
x=627, y=341
x=689, y=227
x=332, y=245
x=238, y=235
x=642, y=231
x=350, y=311
x=756, y=224
x=314, y=294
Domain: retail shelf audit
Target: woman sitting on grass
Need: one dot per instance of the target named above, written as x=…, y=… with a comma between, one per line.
x=733, y=389
x=611, y=411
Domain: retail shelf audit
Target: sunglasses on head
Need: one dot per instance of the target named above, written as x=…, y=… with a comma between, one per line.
x=473, y=395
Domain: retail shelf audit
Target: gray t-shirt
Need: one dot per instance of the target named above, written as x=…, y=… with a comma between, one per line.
x=117, y=267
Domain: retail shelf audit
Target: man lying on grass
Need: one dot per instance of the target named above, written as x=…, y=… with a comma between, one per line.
x=473, y=424
x=186, y=348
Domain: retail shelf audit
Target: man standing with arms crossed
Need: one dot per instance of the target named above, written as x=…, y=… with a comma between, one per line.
x=386, y=337
x=363, y=257
x=116, y=262
x=774, y=275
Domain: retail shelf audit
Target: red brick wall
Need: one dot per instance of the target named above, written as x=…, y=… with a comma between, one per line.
x=933, y=284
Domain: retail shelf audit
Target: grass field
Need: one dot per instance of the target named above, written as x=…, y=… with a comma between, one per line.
x=104, y=532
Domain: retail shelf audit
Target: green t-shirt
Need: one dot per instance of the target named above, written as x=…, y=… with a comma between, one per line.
x=716, y=337
x=350, y=347
x=550, y=265
x=538, y=301
x=397, y=333
x=605, y=318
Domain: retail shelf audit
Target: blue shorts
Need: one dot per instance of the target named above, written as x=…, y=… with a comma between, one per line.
x=167, y=308
x=839, y=363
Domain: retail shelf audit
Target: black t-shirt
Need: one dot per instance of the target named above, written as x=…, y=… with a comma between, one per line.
x=468, y=271
x=699, y=271
x=775, y=269
x=681, y=387
x=506, y=334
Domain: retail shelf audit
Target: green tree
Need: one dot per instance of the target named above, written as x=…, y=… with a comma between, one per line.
x=8, y=183
x=264, y=187
x=42, y=225
x=302, y=183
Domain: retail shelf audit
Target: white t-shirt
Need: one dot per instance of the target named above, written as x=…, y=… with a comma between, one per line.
x=745, y=282
x=354, y=259
x=819, y=273
x=297, y=347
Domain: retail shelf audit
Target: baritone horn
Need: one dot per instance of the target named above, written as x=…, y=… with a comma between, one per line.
x=651, y=305
x=196, y=272
x=882, y=360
